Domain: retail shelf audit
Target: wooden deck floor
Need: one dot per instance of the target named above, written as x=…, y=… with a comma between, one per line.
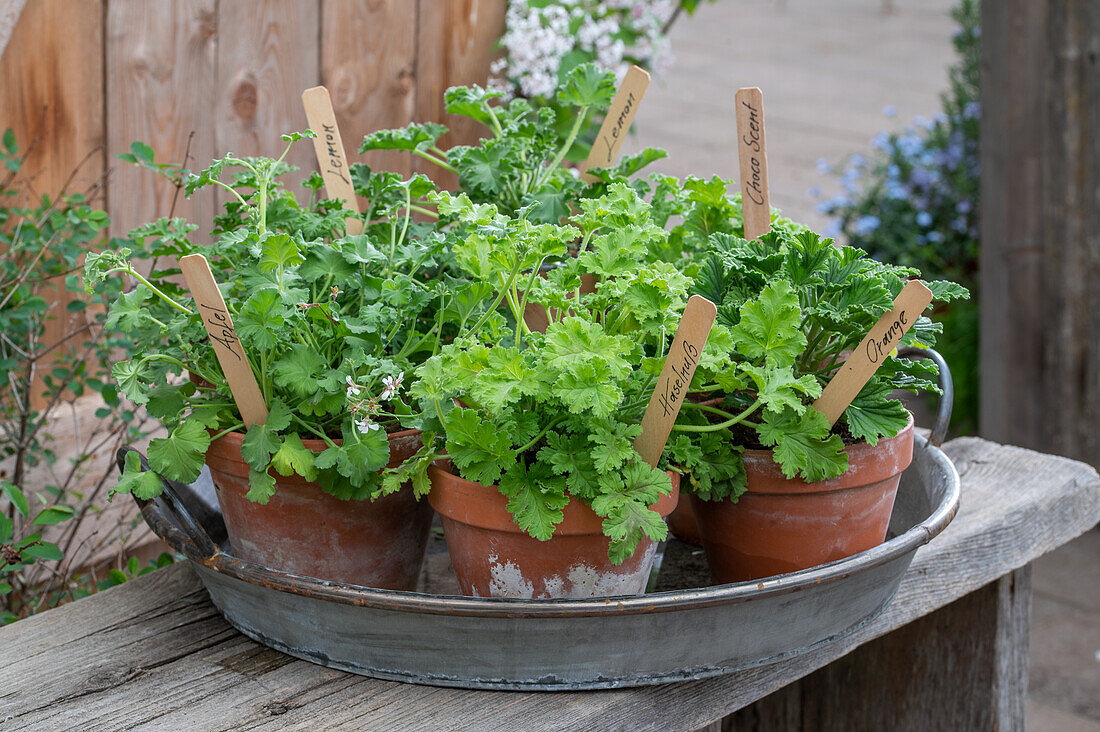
x=827, y=69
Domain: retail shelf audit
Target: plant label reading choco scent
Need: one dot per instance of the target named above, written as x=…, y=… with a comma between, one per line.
x=617, y=123
x=227, y=346
x=672, y=384
x=873, y=350
x=752, y=153
x=330, y=152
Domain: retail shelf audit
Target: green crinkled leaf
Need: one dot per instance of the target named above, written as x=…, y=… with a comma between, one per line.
x=261, y=486
x=359, y=457
x=536, y=498
x=293, y=457
x=414, y=137
x=298, y=370
x=144, y=484
x=873, y=415
x=613, y=445
x=506, y=377
x=589, y=386
x=627, y=516
x=259, y=320
x=477, y=447
x=262, y=440
x=587, y=86
x=778, y=389
x=277, y=252
x=769, y=325
x=181, y=455
x=803, y=445
x=944, y=291
x=472, y=102
x=570, y=455
x=128, y=311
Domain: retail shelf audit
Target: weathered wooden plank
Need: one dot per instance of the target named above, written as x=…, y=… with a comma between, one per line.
x=51, y=83
x=963, y=666
x=455, y=47
x=160, y=89
x=267, y=56
x=1040, y=326
x=368, y=63
x=153, y=654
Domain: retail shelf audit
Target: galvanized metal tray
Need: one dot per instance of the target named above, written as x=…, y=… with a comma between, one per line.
x=683, y=631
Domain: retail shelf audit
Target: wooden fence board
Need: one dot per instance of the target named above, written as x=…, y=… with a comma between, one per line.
x=267, y=56
x=160, y=89
x=368, y=63
x=455, y=47
x=51, y=85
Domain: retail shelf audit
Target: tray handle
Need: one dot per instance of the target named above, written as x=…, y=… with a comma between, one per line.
x=170, y=503
x=947, y=386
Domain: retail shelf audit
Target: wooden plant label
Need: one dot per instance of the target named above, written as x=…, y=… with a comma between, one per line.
x=752, y=153
x=617, y=122
x=873, y=350
x=227, y=346
x=330, y=152
x=675, y=378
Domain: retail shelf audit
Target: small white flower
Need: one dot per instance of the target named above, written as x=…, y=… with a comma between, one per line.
x=391, y=385
x=365, y=425
x=353, y=388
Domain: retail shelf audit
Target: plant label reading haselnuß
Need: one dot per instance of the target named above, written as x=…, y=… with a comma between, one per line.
x=676, y=374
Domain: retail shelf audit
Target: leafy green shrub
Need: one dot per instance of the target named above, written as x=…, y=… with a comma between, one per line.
x=41, y=245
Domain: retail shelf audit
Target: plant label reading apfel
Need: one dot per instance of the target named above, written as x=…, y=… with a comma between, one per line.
x=227, y=346
x=676, y=374
x=617, y=122
x=330, y=152
x=752, y=153
x=883, y=338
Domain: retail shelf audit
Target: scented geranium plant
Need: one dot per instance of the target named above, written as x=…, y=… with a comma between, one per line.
x=331, y=325
x=791, y=307
x=551, y=417
x=521, y=164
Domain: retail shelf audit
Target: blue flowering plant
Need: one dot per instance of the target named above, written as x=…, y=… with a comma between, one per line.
x=914, y=201
x=330, y=323
x=791, y=306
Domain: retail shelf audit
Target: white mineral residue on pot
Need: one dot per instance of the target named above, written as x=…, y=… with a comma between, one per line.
x=507, y=580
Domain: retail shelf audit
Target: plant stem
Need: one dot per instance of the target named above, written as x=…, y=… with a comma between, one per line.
x=565, y=149
x=539, y=436
x=721, y=425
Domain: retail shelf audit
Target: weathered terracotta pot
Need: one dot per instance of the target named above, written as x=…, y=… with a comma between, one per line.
x=305, y=531
x=493, y=557
x=683, y=525
x=782, y=525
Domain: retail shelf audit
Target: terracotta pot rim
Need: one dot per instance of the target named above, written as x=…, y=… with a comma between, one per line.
x=311, y=443
x=866, y=464
x=578, y=519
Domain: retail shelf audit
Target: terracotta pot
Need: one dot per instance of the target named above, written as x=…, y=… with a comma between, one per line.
x=493, y=557
x=305, y=531
x=782, y=525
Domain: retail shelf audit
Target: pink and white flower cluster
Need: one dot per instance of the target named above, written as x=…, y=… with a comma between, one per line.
x=363, y=407
x=612, y=33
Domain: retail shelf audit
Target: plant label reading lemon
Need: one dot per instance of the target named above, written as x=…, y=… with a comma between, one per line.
x=672, y=385
x=227, y=346
x=873, y=350
x=617, y=122
x=752, y=153
x=330, y=152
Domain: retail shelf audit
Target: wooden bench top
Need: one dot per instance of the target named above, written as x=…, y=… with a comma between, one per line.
x=155, y=654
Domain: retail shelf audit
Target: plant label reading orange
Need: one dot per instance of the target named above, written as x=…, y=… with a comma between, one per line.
x=676, y=374
x=752, y=153
x=330, y=152
x=227, y=346
x=605, y=150
x=873, y=350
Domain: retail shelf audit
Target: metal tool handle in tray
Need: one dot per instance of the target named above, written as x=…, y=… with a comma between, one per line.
x=194, y=532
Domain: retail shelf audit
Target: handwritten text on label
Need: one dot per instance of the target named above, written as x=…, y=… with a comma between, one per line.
x=335, y=155
x=752, y=140
x=217, y=320
x=676, y=383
